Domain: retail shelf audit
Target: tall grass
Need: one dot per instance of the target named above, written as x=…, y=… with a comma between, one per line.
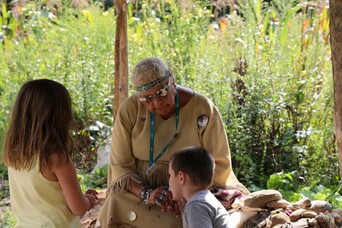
x=283, y=119
x=77, y=50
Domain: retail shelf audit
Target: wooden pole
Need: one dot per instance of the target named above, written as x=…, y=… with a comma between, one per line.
x=121, y=62
x=336, y=57
x=121, y=56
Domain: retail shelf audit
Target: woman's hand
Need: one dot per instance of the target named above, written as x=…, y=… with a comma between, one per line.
x=163, y=197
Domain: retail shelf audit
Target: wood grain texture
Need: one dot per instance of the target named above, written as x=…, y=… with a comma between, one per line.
x=335, y=7
x=121, y=56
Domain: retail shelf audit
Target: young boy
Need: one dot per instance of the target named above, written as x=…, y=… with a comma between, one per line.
x=191, y=172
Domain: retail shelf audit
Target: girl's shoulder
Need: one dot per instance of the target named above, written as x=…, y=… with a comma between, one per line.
x=56, y=160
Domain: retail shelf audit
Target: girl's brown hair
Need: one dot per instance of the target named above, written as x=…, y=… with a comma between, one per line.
x=40, y=125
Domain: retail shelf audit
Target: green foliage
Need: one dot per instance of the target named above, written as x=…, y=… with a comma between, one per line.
x=171, y=34
x=283, y=181
x=288, y=184
x=7, y=219
x=7, y=24
x=96, y=180
x=280, y=115
x=4, y=189
x=320, y=192
x=79, y=54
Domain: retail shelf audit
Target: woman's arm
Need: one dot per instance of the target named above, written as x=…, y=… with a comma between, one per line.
x=214, y=139
x=65, y=172
x=122, y=160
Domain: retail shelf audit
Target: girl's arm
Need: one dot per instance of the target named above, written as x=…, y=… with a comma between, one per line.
x=65, y=172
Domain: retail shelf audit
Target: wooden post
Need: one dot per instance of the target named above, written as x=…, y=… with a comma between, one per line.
x=336, y=57
x=121, y=56
x=121, y=62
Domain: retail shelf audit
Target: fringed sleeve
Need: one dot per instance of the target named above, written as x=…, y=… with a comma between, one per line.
x=159, y=178
x=122, y=183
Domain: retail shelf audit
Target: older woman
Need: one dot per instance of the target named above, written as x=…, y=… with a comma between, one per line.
x=161, y=118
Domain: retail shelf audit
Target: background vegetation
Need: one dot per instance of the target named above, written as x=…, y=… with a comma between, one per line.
x=265, y=65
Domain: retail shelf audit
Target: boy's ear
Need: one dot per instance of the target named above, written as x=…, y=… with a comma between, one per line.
x=181, y=177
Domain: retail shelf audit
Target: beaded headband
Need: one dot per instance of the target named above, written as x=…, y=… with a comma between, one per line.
x=150, y=85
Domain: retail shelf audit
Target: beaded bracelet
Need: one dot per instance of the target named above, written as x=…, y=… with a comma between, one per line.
x=142, y=192
x=147, y=197
x=144, y=195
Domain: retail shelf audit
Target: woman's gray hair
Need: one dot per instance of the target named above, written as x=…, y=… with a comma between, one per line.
x=149, y=73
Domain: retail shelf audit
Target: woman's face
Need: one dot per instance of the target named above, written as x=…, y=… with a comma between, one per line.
x=161, y=99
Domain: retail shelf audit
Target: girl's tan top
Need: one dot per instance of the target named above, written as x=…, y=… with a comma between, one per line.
x=38, y=202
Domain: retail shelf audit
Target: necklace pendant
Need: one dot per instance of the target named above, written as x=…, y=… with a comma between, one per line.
x=151, y=169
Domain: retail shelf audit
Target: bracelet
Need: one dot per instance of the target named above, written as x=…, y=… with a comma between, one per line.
x=147, y=196
x=142, y=192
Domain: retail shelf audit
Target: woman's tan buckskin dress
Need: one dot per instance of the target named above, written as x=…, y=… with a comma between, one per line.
x=199, y=124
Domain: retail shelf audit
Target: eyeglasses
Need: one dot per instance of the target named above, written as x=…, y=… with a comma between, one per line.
x=157, y=95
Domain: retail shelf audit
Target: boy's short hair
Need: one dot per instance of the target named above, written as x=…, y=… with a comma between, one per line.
x=196, y=162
